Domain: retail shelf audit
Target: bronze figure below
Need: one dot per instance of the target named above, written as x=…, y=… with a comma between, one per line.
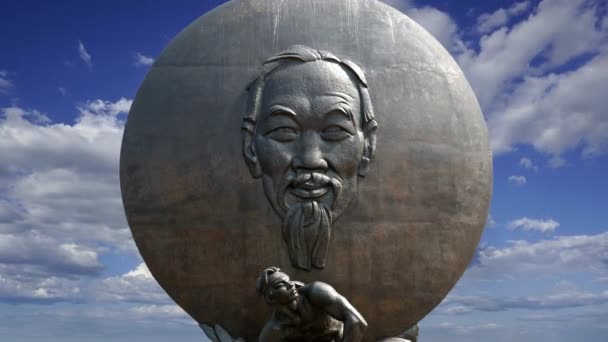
x=307, y=312
x=313, y=312
x=309, y=133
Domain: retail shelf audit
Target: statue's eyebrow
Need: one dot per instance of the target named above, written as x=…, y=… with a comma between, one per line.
x=279, y=110
x=340, y=105
x=341, y=108
x=342, y=95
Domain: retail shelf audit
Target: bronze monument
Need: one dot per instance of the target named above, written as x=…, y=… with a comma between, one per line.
x=335, y=140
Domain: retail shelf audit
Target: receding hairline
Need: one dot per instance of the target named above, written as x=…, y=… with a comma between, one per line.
x=344, y=94
x=299, y=55
x=317, y=64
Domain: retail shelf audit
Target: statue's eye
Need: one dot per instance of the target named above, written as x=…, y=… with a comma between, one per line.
x=283, y=134
x=335, y=133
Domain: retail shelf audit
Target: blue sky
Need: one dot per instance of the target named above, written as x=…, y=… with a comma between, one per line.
x=69, y=270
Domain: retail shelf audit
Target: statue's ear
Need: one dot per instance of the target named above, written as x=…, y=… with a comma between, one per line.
x=369, y=131
x=249, y=154
x=270, y=300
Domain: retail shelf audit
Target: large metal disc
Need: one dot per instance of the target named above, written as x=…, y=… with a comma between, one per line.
x=204, y=225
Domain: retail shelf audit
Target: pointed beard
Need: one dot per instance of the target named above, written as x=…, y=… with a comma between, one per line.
x=307, y=223
x=307, y=230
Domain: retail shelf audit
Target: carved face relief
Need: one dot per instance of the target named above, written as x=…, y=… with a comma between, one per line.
x=308, y=139
x=309, y=146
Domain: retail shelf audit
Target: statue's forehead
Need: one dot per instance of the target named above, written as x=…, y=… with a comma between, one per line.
x=275, y=278
x=309, y=79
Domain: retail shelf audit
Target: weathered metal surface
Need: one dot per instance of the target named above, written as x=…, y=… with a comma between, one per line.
x=204, y=225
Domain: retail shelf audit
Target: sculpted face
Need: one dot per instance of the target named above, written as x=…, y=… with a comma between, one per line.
x=283, y=291
x=309, y=133
x=308, y=139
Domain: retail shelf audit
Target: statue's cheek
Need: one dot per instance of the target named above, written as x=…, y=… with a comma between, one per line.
x=345, y=155
x=274, y=157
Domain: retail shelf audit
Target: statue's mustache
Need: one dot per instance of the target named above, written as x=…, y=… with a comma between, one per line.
x=308, y=180
x=314, y=178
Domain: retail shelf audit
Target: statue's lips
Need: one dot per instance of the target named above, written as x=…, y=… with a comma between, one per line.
x=308, y=191
x=310, y=185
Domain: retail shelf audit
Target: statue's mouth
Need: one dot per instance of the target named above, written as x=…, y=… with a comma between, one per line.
x=309, y=190
x=307, y=186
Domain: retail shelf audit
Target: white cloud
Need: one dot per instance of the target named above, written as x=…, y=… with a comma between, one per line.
x=556, y=162
x=141, y=271
x=521, y=76
x=558, y=31
x=62, y=91
x=6, y=85
x=24, y=289
x=85, y=56
x=602, y=279
x=489, y=21
x=97, y=108
x=141, y=60
x=517, y=180
x=35, y=248
x=454, y=309
x=161, y=312
x=137, y=285
x=557, y=113
x=527, y=97
x=546, y=258
x=31, y=283
x=560, y=299
x=586, y=318
x=61, y=202
x=90, y=146
x=465, y=329
x=437, y=22
x=71, y=204
x=544, y=226
x=527, y=163
x=9, y=213
x=526, y=317
x=519, y=7
x=107, y=322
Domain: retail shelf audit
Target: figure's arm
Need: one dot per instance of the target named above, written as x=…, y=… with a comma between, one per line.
x=324, y=296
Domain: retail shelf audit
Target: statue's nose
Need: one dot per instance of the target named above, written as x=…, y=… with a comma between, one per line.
x=310, y=156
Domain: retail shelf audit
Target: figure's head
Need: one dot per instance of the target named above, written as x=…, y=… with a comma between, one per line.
x=309, y=130
x=276, y=287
